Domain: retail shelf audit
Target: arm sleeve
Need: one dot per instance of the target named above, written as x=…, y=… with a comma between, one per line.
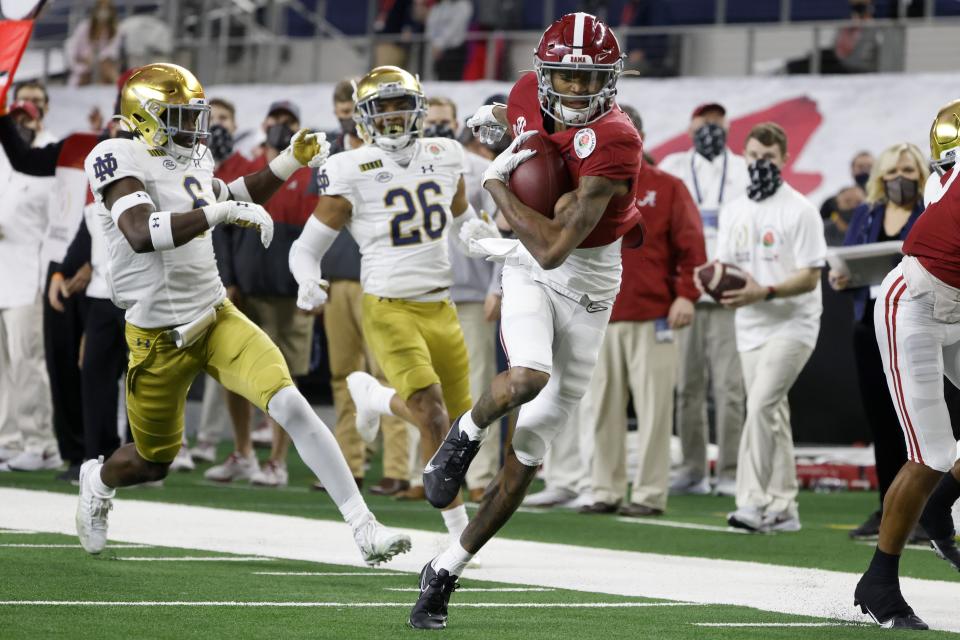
x=33, y=161
x=78, y=253
x=110, y=161
x=686, y=242
x=809, y=244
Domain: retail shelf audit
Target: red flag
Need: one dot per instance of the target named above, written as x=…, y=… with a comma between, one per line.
x=14, y=36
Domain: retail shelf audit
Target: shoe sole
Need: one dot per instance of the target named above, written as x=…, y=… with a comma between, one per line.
x=740, y=524
x=400, y=544
x=889, y=623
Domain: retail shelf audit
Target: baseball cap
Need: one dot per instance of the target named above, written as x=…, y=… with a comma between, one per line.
x=708, y=106
x=284, y=105
x=26, y=106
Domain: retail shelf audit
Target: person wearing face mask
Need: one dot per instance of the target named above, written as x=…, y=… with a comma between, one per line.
x=258, y=280
x=775, y=235
x=893, y=204
x=27, y=442
x=714, y=176
x=837, y=210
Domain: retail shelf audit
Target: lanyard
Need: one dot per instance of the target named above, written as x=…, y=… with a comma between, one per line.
x=696, y=183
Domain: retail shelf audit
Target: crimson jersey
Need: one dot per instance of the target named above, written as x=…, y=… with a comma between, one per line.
x=608, y=148
x=935, y=237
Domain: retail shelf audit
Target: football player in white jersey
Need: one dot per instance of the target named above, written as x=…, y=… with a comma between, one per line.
x=399, y=195
x=159, y=200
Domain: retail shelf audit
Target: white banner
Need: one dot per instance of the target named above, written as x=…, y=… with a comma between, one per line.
x=828, y=119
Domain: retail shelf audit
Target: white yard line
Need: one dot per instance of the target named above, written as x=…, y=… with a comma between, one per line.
x=359, y=574
x=71, y=546
x=17, y=532
x=466, y=590
x=241, y=603
x=682, y=525
x=193, y=558
x=777, y=624
x=790, y=590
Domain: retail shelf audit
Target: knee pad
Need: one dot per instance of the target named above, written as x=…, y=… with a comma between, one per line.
x=290, y=409
x=529, y=447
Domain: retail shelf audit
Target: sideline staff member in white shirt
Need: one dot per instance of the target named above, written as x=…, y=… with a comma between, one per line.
x=776, y=235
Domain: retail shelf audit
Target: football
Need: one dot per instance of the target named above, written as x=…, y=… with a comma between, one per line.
x=716, y=278
x=540, y=181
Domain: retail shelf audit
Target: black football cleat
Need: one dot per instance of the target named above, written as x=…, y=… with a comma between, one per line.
x=946, y=548
x=430, y=612
x=881, y=600
x=446, y=472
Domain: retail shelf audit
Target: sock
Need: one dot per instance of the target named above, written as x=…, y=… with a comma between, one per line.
x=355, y=511
x=456, y=521
x=941, y=502
x=884, y=565
x=381, y=395
x=469, y=427
x=454, y=559
x=315, y=444
x=98, y=486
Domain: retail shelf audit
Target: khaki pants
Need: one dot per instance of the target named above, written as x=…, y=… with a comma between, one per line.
x=479, y=335
x=343, y=322
x=633, y=363
x=26, y=412
x=766, y=471
x=708, y=352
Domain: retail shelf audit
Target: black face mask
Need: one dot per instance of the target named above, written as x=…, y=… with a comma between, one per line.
x=279, y=136
x=220, y=142
x=901, y=190
x=28, y=135
x=439, y=131
x=861, y=179
x=710, y=140
x=765, y=179
x=348, y=127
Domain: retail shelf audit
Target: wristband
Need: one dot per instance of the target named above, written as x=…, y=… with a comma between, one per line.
x=284, y=165
x=771, y=293
x=238, y=190
x=161, y=233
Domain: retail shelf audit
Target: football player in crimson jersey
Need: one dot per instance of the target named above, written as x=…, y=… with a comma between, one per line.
x=559, y=279
x=917, y=319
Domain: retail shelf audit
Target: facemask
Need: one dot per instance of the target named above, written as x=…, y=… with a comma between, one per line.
x=710, y=140
x=28, y=135
x=439, y=131
x=279, y=136
x=765, y=179
x=348, y=127
x=861, y=179
x=901, y=190
x=220, y=142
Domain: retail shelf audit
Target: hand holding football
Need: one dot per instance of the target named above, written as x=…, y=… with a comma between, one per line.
x=716, y=278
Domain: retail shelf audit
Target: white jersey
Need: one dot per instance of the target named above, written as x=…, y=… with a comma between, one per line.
x=157, y=288
x=400, y=214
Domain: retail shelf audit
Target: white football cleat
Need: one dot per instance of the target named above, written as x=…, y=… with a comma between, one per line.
x=35, y=461
x=361, y=385
x=233, y=468
x=377, y=543
x=557, y=497
x=271, y=474
x=784, y=521
x=92, y=510
x=748, y=518
x=204, y=452
x=183, y=461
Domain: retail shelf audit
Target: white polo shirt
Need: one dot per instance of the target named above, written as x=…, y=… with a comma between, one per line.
x=771, y=239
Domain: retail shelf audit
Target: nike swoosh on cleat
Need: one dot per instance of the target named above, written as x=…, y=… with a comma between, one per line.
x=430, y=468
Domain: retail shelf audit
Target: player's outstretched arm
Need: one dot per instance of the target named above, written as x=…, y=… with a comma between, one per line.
x=321, y=230
x=132, y=210
x=550, y=241
x=307, y=148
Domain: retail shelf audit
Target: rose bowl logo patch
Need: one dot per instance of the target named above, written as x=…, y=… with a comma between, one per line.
x=584, y=142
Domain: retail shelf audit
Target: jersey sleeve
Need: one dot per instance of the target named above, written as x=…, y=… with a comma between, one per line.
x=616, y=156
x=809, y=244
x=334, y=179
x=110, y=161
x=523, y=106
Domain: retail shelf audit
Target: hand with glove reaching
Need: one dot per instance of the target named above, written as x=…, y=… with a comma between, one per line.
x=305, y=267
x=505, y=163
x=477, y=229
x=485, y=124
x=307, y=149
x=243, y=214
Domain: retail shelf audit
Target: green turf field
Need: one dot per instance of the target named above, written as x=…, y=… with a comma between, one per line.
x=375, y=603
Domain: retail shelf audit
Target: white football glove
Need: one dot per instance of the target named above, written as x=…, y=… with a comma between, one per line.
x=477, y=229
x=504, y=164
x=485, y=125
x=243, y=214
x=504, y=250
x=305, y=267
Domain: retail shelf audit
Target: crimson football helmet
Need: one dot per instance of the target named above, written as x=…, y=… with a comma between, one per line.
x=578, y=46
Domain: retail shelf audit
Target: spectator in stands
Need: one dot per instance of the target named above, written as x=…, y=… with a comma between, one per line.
x=837, y=210
x=638, y=358
x=654, y=55
x=714, y=176
x=894, y=202
x=446, y=31
x=26, y=426
x=396, y=19
x=146, y=38
x=343, y=325
x=775, y=235
x=267, y=293
x=475, y=290
x=93, y=49
x=856, y=47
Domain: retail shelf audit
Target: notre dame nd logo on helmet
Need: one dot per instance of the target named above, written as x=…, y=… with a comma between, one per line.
x=104, y=166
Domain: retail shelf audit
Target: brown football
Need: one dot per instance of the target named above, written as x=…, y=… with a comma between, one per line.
x=540, y=181
x=716, y=278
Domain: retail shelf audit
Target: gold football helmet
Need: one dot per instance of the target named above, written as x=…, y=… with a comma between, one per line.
x=390, y=108
x=164, y=104
x=945, y=138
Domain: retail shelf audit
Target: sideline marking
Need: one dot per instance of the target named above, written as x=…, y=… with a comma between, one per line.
x=463, y=590
x=684, y=525
x=330, y=573
x=778, y=624
x=12, y=545
x=195, y=558
x=230, y=603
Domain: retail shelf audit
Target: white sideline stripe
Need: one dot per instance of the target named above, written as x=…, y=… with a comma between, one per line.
x=241, y=603
x=193, y=558
x=17, y=532
x=361, y=574
x=465, y=590
x=777, y=624
x=683, y=525
x=70, y=546
x=790, y=590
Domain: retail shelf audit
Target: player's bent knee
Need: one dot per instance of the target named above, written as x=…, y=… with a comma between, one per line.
x=290, y=410
x=526, y=384
x=529, y=447
x=428, y=404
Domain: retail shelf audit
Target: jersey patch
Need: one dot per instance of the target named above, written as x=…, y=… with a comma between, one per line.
x=104, y=167
x=370, y=166
x=584, y=142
